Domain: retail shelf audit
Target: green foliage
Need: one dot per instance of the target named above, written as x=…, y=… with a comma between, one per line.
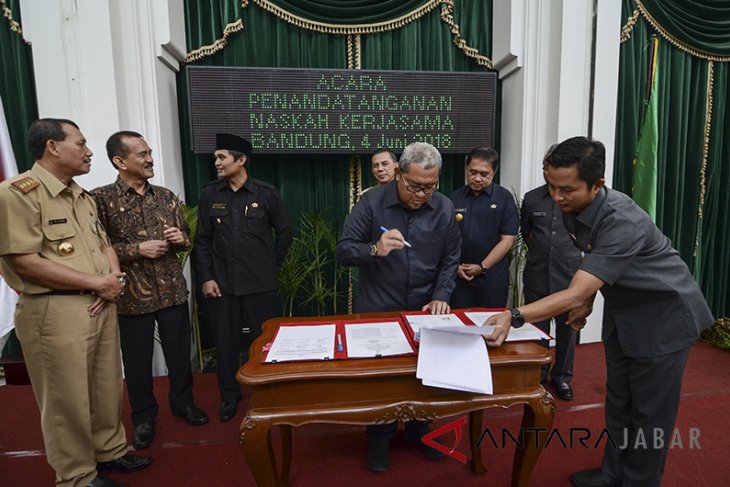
x=309, y=276
x=718, y=334
x=517, y=259
x=190, y=214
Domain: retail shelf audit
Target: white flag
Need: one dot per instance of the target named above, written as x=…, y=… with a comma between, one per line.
x=8, y=169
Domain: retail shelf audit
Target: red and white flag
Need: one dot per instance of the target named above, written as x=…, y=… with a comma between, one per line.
x=8, y=169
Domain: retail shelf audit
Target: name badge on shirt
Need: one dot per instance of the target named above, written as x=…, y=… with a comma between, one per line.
x=57, y=221
x=219, y=206
x=539, y=213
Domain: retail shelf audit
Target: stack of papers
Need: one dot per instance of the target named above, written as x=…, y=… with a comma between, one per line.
x=455, y=356
x=454, y=360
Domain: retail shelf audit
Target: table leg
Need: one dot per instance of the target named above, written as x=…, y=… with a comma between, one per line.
x=475, y=433
x=259, y=453
x=285, y=432
x=536, y=423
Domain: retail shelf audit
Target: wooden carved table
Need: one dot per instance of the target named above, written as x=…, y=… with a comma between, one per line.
x=383, y=390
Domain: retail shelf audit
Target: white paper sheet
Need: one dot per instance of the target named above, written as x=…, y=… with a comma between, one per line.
x=376, y=339
x=305, y=342
x=479, y=317
x=526, y=332
x=416, y=322
x=457, y=361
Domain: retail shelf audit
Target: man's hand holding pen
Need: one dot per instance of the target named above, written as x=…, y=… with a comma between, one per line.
x=390, y=240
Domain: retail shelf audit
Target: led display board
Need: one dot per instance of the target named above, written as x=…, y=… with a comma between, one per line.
x=340, y=111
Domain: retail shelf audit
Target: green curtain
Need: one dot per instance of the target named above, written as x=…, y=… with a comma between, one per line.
x=713, y=257
x=321, y=182
x=702, y=24
x=426, y=45
x=348, y=11
x=682, y=99
x=17, y=85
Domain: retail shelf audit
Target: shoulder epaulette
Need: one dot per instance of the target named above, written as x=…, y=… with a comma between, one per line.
x=25, y=185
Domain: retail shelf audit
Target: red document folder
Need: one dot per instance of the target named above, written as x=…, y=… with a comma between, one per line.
x=341, y=335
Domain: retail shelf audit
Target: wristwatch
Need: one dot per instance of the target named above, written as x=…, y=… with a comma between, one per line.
x=482, y=269
x=517, y=319
x=374, y=250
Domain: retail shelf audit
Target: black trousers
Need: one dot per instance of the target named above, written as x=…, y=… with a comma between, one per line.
x=388, y=430
x=642, y=400
x=566, y=339
x=229, y=315
x=466, y=296
x=137, y=335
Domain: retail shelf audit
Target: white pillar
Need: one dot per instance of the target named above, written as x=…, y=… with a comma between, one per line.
x=542, y=50
x=110, y=65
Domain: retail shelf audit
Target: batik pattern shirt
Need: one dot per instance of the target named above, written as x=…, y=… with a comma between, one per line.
x=130, y=219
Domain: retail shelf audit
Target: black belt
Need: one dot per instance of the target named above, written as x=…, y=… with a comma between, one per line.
x=64, y=293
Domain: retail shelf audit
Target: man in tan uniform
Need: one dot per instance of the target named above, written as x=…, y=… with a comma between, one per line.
x=53, y=250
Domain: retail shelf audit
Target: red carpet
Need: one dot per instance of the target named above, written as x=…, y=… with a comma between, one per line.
x=331, y=455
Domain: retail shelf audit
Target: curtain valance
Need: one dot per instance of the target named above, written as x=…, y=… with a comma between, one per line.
x=699, y=27
x=348, y=16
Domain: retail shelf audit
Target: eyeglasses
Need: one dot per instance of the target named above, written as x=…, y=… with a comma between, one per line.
x=426, y=190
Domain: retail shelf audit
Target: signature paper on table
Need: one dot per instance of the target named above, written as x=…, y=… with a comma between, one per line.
x=376, y=339
x=316, y=342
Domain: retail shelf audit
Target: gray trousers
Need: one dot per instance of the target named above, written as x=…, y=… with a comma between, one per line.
x=641, y=402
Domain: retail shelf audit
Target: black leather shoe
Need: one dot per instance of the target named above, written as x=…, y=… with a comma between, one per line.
x=193, y=415
x=379, y=453
x=413, y=436
x=127, y=464
x=100, y=481
x=564, y=391
x=592, y=478
x=228, y=410
x=143, y=435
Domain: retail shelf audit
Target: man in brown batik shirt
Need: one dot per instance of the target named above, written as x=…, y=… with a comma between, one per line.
x=146, y=228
